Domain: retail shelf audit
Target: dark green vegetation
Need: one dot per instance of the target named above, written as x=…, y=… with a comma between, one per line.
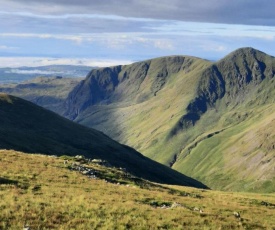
x=44, y=193
x=32, y=129
x=211, y=121
x=49, y=92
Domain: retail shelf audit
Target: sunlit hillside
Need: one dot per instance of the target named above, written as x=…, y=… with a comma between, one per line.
x=209, y=120
x=46, y=192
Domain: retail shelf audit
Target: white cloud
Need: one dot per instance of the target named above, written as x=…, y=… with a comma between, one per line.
x=43, y=61
x=215, y=29
x=84, y=28
x=212, y=47
x=74, y=38
x=164, y=44
x=112, y=40
x=34, y=71
x=3, y=47
x=232, y=12
x=80, y=16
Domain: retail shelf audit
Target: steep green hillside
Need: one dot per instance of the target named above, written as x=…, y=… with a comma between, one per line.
x=138, y=104
x=209, y=120
x=32, y=129
x=236, y=151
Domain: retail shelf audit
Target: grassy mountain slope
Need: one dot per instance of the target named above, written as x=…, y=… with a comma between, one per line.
x=237, y=150
x=209, y=120
x=43, y=193
x=139, y=103
x=49, y=92
x=33, y=129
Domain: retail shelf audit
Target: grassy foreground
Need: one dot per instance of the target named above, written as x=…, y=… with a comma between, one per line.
x=42, y=192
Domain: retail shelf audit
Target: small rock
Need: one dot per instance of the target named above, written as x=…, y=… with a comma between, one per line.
x=175, y=204
x=85, y=172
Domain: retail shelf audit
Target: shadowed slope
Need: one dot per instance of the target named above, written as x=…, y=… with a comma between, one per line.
x=32, y=129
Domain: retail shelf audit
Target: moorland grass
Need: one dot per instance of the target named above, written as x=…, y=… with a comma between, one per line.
x=44, y=194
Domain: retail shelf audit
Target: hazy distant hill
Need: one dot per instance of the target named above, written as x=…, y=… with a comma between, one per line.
x=29, y=128
x=210, y=120
x=20, y=74
x=49, y=92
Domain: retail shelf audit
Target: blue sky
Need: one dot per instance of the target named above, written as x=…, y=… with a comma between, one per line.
x=111, y=32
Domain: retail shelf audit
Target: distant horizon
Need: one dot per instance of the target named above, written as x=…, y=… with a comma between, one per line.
x=21, y=61
x=17, y=62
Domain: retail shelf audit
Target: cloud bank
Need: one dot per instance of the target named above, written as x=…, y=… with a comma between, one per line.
x=251, y=12
x=134, y=29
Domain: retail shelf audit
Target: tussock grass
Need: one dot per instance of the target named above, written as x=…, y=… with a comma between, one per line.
x=40, y=191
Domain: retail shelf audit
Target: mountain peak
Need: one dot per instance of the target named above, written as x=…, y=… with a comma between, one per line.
x=245, y=53
x=246, y=50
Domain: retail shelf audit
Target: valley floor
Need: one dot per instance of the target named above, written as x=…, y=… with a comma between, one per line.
x=48, y=193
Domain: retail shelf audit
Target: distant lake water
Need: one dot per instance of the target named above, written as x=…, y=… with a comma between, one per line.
x=21, y=74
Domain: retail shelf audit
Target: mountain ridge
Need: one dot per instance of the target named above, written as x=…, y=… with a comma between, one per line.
x=161, y=123
x=111, y=77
